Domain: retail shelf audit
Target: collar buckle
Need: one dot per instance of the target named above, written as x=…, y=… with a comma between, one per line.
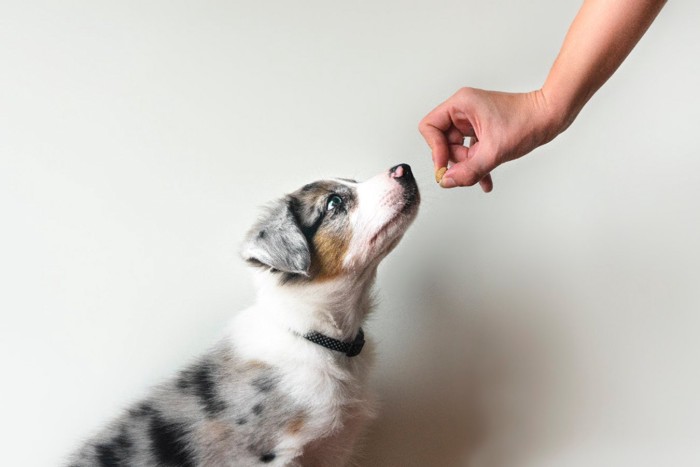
x=356, y=346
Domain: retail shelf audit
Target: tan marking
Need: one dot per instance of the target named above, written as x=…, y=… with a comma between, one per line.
x=296, y=424
x=329, y=253
x=215, y=437
x=253, y=365
x=214, y=432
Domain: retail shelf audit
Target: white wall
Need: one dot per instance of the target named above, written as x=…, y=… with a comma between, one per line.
x=553, y=322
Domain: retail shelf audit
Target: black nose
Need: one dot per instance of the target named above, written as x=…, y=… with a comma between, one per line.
x=401, y=172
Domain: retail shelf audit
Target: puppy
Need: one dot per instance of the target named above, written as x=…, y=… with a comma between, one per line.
x=286, y=386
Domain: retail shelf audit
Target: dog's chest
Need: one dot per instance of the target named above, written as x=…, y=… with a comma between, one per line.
x=337, y=408
x=323, y=381
x=326, y=387
x=319, y=406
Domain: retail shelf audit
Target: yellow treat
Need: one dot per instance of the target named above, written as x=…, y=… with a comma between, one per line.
x=439, y=173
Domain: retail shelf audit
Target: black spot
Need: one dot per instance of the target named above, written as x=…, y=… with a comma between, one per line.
x=115, y=453
x=262, y=234
x=144, y=409
x=268, y=457
x=107, y=456
x=309, y=223
x=123, y=440
x=205, y=386
x=167, y=440
x=264, y=383
x=257, y=409
x=201, y=380
x=289, y=278
x=310, y=186
x=184, y=382
x=241, y=421
x=310, y=230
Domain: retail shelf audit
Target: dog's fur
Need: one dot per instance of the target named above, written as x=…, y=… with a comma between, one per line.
x=265, y=394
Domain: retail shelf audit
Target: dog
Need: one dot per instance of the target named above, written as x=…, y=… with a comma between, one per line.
x=287, y=385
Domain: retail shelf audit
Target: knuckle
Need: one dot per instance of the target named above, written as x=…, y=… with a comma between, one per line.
x=466, y=177
x=464, y=92
x=473, y=177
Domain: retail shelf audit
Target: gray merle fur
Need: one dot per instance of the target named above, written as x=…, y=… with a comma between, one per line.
x=221, y=411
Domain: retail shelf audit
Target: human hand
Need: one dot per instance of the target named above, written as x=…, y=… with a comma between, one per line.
x=501, y=127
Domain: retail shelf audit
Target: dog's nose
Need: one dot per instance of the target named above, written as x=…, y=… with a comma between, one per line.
x=402, y=172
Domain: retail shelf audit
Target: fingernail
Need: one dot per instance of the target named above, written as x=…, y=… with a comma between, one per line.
x=447, y=182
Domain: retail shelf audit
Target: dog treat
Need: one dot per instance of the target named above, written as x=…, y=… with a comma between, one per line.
x=439, y=173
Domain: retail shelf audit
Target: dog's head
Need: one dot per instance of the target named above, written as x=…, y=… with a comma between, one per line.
x=337, y=227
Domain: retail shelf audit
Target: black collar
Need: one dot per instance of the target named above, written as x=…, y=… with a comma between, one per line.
x=350, y=349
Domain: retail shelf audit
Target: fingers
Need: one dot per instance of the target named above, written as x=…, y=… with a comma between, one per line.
x=471, y=167
x=438, y=144
x=454, y=136
x=462, y=174
x=445, y=134
x=434, y=128
x=486, y=183
x=458, y=153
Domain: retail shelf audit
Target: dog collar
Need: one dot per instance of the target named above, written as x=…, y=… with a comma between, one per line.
x=351, y=349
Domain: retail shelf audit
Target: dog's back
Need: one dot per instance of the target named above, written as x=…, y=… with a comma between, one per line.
x=220, y=411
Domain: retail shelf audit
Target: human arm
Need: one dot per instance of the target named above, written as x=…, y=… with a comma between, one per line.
x=506, y=126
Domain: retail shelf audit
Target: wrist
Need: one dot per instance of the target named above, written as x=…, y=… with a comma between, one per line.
x=558, y=112
x=552, y=116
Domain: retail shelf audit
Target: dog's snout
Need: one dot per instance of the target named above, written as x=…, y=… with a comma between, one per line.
x=402, y=173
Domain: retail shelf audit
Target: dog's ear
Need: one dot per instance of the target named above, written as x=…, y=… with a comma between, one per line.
x=278, y=242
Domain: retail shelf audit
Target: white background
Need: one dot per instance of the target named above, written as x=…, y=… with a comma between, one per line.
x=553, y=322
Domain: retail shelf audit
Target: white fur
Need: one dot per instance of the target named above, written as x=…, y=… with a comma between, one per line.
x=331, y=386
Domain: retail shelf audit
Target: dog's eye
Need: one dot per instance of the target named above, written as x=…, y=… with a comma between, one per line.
x=333, y=202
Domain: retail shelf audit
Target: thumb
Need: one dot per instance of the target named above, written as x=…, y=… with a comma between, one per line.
x=469, y=171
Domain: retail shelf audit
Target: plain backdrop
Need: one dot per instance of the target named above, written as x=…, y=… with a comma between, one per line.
x=553, y=322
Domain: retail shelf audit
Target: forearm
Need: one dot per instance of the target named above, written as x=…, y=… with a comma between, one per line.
x=600, y=37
